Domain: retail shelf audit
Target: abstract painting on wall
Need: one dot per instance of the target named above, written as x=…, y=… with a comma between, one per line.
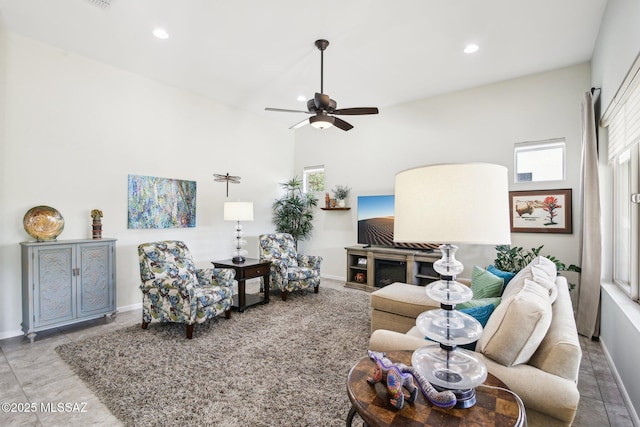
x=161, y=202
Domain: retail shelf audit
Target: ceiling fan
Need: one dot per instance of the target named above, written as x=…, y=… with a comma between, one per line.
x=323, y=108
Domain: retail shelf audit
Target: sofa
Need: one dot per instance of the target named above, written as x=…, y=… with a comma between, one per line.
x=530, y=341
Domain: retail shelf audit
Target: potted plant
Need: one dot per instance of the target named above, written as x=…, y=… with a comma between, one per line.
x=293, y=212
x=516, y=258
x=340, y=193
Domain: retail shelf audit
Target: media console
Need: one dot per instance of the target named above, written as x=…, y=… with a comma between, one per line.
x=370, y=268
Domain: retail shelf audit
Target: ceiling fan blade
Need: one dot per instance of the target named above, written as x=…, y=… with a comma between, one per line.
x=283, y=110
x=322, y=101
x=356, y=111
x=300, y=124
x=339, y=123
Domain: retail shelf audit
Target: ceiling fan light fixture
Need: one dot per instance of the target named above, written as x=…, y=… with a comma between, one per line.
x=321, y=122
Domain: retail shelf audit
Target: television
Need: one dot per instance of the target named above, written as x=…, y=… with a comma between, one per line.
x=375, y=224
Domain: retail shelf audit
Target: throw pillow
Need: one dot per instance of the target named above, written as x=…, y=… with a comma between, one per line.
x=516, y=284
x=485, y=284
x=518, y=326
x=506, y=275
x=479, y=303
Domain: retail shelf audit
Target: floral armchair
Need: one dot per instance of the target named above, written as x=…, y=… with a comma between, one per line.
x=173, y=290
x=290, y=271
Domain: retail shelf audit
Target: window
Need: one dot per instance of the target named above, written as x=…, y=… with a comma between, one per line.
x=539, y=161
x=622, y=120
x=313, y=179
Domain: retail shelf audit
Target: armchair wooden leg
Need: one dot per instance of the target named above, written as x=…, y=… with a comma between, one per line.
x=284, y=295
x=144, y=325
x=227, y=314
x=316, y=289
x=190, y=331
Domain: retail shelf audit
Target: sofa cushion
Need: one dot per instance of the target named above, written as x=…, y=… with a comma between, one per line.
x=516, y=284
x=485, y=284
x=517, y=326
x=402, y=299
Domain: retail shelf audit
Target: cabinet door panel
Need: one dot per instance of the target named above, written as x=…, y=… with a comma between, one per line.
x=55, y=285
x=95, y=280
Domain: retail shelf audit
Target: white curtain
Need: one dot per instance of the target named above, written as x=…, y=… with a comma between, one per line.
x=587, y=318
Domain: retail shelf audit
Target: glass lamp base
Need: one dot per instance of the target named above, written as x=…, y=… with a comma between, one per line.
x=238, y=259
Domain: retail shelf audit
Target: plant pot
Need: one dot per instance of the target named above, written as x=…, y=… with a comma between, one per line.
x=342, y=203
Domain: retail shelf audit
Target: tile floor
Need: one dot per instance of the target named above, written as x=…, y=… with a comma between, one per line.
x=34, y=378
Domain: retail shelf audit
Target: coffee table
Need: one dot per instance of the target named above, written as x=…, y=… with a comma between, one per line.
x=494, y=407
x=249, y=269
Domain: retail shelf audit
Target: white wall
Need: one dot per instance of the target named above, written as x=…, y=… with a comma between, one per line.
x=617, y=47
x=73, y=129
x=476, y=125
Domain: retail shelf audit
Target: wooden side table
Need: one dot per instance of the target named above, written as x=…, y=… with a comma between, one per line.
x=249, y=269
x=494, y=407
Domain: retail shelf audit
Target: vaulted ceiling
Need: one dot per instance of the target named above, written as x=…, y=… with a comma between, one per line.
x=251, y=54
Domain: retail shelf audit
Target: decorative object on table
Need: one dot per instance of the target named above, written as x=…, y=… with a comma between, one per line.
x=293, y=212
x=161, y=202
x=341, y=192
x=394, y=378
x=43, y=223
x=324, y=108
x=290, y=270
x=540, y=211
x=239, y=211
x=401, y=376
x=452, y=203
x=327, y=200
x=228, y=179
x=360, y=278
x=96, y=226
x=514, y=259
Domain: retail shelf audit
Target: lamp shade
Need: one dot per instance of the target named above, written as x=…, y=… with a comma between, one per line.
x=238, y=211
x=453, y=203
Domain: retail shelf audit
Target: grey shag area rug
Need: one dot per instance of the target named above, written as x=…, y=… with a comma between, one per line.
x=284, y=363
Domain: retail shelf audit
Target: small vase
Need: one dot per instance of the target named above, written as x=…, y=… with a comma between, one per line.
x=342, y=203
x=97, y=228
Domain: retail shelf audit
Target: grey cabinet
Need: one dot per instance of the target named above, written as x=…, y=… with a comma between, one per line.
x=64, y=282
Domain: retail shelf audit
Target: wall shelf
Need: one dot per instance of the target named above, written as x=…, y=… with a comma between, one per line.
x=335, y=209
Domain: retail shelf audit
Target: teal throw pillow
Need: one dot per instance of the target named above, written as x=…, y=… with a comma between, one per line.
x=479, y=303
x=506, y=275
x=485, y=284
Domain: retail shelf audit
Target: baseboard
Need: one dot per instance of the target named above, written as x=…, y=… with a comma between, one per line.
x=332, y=277
x=131, y=307
x=10, y=334
x=623, y=391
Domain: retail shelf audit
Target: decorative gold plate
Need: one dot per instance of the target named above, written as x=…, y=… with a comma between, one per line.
x=43, y=223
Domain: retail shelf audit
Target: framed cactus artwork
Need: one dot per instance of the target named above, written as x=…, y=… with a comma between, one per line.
x=541, y=211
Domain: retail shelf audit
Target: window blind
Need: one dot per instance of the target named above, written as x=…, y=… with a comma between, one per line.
x=622, y=117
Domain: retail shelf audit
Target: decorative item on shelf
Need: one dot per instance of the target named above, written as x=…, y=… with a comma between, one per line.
x=333, y=203
x=327, y=200
x=360, y=278
x=239, y=211
x=453, y=203
x=362, y=261
x=96, y=226
x=341, y=192
x=43, y=223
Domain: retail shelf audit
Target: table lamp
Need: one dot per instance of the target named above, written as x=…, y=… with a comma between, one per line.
x=451, y=204
x=238, y=211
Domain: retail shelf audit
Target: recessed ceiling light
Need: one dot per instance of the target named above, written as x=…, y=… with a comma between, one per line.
x=161, y=33
x=301, y=98
x=471, y=48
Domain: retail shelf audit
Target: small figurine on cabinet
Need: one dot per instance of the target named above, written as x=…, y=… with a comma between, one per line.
x=96, y=214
